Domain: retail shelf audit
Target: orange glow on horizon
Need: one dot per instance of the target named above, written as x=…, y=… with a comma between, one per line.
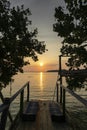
x=43, y=66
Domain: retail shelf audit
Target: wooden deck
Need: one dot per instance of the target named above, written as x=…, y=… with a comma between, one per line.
x=43, y=120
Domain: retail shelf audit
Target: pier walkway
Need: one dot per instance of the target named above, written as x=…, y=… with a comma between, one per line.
x=43, y=120
x=40, y=114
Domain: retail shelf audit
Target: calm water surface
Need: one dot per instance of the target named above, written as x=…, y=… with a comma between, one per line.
x=42, y=86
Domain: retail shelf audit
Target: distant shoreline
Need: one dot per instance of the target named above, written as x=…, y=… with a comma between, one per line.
x=42, y=71
x=52, y=71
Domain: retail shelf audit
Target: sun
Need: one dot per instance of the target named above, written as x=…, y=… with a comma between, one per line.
x=41, y=64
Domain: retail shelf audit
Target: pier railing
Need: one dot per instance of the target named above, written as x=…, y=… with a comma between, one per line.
x=4, y=108
x=62, y=92
x=61, y=96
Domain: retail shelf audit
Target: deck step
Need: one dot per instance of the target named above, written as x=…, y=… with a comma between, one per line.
x=30, y=111
x=55, y=112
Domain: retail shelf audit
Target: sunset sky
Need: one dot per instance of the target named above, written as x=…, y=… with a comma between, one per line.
x=43, y=18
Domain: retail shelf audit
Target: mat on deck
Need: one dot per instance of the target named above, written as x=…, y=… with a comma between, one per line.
x=55, y=112
x=31, y=111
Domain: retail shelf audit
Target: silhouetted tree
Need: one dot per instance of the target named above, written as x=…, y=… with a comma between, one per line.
x=76, y=82
x=71, y=25
x=17, y=41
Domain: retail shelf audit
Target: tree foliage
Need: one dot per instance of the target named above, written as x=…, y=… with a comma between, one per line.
x=71, y=25
x=76, y=82
x=17, y=41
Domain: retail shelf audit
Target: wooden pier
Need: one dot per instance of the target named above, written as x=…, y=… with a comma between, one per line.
x=38, y=114
x=43, y=120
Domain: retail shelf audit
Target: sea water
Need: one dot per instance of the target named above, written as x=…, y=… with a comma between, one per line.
x=43, y=87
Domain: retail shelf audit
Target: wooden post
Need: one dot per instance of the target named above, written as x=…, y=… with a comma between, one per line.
x=5, y=113
x=61, y=92
x=64, y=101
x=21, y=102
x=60, y=78
x=60, y=64
x=28, y=92
x=57, y=92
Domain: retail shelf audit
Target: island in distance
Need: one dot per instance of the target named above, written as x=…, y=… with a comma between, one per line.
x=52, y=71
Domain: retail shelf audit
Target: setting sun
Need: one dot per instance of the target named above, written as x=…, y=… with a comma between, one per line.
x=41, y=64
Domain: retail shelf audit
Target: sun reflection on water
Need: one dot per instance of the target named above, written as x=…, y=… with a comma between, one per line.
x=41, y=80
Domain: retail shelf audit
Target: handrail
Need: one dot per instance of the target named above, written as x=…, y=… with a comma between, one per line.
x=78, y=97
x=4, y=108
x=18, y=92
x=64, y=90
x=82, y=100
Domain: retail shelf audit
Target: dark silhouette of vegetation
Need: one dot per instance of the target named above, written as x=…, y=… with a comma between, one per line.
x=17, y=41
x=76, y=82
x=71, y=25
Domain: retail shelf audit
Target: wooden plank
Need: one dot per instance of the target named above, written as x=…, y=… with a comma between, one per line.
x=45, y=122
